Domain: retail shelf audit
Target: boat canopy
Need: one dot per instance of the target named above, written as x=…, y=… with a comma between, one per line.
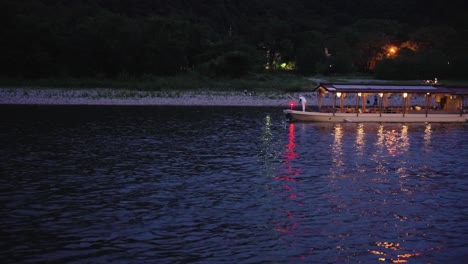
x=382, y=88
x=379, y=88
x=453, y=90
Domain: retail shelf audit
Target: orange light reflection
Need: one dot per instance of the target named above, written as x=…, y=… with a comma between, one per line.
x=400, y=258
x=337, y=148
x=427, y=136
x=360, y=139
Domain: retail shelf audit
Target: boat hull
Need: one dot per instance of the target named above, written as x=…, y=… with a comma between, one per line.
x=299, y=116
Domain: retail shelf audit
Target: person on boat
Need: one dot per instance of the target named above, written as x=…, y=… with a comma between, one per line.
x=303, y=101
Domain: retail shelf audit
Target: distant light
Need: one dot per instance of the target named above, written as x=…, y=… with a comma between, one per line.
x=338, y=94
x=405, y=95
x=381, y=94
x=359, y=94
x=392, y=50
x=291, y=104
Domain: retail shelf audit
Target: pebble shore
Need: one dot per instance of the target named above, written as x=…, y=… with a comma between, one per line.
x=101, y=96
x=126, y=97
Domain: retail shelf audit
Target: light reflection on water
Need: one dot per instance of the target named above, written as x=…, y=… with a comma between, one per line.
x=179, y=185
x=427, y=137
x=376, y=204
x=337, y=148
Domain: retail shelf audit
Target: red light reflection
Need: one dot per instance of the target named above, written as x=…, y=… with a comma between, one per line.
x=289, y=172
x=288, y=176
x=291, y=146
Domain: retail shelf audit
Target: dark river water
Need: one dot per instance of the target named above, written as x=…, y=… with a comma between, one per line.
x=88, y=184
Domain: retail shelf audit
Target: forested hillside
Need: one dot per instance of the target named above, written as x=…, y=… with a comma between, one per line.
x=230, y=38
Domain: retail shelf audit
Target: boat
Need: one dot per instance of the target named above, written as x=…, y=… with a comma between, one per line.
x=442, y=104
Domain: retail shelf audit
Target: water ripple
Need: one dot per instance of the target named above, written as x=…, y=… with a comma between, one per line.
x=212, y=184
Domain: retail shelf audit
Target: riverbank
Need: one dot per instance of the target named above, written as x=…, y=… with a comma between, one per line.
x=37, y=96
x=102, y=96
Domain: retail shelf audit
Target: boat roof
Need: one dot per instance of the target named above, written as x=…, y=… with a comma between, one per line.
x=377, y=88
x=453, y=90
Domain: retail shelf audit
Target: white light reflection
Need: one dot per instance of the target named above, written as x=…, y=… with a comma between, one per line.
x=337, y=148
x=380, y=137
x=269, y=150
x=427, y=136
x=397, y=143
x=380, y=168
x=393, y=141
x=267, y=137
x=360, y=139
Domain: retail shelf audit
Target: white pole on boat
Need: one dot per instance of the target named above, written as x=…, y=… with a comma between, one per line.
x=334, y=104
x=342, y=97
x=404, y=103
x=462, y=100
x=426, y=102
x=358, y=95
x=380, y=105
x=364, y=102
x=319, y=103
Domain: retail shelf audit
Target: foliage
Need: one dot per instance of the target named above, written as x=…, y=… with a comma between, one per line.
x=182, y=82
x=107, y=39
x=429, y=64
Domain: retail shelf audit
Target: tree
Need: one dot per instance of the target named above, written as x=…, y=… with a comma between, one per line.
x=367, y=38
x=309, y=51
x=272, y=36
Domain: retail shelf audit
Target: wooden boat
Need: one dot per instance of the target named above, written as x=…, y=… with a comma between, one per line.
x=450, y=104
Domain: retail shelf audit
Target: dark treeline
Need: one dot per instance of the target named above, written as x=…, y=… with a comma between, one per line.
x=136, y=38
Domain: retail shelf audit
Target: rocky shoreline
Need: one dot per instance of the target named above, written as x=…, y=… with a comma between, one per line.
x=101, y=96
x=35, y=96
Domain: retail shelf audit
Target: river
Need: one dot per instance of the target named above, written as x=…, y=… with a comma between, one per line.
x=130, y=184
